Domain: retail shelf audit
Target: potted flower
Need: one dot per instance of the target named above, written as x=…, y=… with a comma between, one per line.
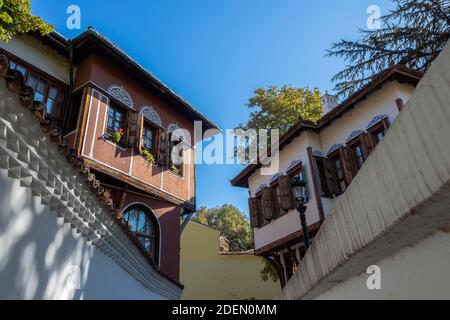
x=147, y=155
x=174, y=169
x=117, y=136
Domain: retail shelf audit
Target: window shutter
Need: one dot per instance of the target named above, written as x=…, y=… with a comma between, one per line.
x=267, y=204
x=331, y=176
x=140, y=131
x=287, y=199
x=254, y=216
x=348, y=164
x=162, y=156
x=132, y=129
x=367, y=144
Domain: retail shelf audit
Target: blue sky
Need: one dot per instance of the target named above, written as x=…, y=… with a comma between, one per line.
x=216, y=53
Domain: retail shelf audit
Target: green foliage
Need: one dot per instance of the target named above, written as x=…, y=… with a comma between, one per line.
x=147, y=155
x=117, y=136
x=269, y=272
x=231, y=223
x=281, y=108
x=174, y=169
x=16, y=19
x=412, y=34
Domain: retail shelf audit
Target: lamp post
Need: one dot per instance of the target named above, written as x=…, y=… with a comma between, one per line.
x=300, y=194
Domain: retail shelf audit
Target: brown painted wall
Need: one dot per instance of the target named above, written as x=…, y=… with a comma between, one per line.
x=128, y=160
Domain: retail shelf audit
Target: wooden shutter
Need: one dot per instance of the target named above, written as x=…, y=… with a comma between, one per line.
x=140, y=132
x=330, y=172
x=254, y=215
x=267, y=204
x=347, y=164
x=287, y=199
x=162, y=156
x=131, y=139
x=367, y=144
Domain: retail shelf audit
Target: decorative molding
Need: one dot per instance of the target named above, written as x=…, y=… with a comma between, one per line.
x=172, y=127
x=376, y=119
x=333, y=148
x=354, y=134
x=121, y=94
x=275, y=177
x=150, y=114
x=294, y=164
x=30, y=156
x=318, y=153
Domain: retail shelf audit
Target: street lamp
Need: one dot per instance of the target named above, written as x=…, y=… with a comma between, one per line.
x=300, y=194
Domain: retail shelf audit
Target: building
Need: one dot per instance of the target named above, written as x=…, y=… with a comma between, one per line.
x=113, y=121
x=388, y=235
x=328, y=155
x=210, y=272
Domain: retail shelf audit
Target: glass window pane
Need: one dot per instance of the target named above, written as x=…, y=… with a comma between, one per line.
x=38, y=97
x=53, y=93
x=32, y=80
x=42, y=85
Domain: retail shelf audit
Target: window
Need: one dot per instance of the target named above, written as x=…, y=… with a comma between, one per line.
x=16, y=66
x=148, y=135
x=260, y=203
x=322, y=177
x=116, y=119
x=46, y=89
x=144, y=225
x=276, y=195
x=357, y=155
x=338, y=172
x=378, y=135
x=291, y=263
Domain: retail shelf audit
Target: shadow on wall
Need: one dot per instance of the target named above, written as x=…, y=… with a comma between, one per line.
x=43, y=258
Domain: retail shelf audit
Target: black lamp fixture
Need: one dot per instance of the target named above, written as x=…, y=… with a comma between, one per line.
x=301, y=197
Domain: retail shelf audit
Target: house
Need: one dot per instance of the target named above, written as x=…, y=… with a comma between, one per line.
x=388, y=235
x=328, y=155
x=210, y=271
x=113, y=121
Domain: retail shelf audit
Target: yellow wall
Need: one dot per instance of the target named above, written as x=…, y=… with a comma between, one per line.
x=207, y=274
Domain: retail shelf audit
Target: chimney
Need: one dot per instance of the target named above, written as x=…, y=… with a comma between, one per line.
x=329, y=102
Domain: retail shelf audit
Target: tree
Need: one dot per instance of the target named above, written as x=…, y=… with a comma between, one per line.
x=412, y=34
x=16, y=19
x=231, y=223
x=281, y=108
x=269, y=272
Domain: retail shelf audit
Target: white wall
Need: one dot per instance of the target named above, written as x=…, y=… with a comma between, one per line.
x=40, y=56
x=290, y=222
x=421, y=271
x=39, y=255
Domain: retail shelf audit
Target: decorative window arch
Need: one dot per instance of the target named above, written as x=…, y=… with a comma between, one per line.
x=144, y=225
x=376, y=119
x=353, y=135
x=172, y=127
x=333, y=148
x=150, y=114
x=121, y=94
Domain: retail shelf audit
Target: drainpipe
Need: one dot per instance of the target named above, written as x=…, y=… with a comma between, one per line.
x=69, y=96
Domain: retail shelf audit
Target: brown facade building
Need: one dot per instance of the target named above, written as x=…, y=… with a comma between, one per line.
x=116, y=118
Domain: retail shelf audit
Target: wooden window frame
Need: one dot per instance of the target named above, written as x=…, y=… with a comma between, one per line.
x=110, y=131
x=351, y=145
x=154, y=224
x=64, y=88
x=262, y=221
x=333, y=157
x=382, y=125
x=321, y=177
x=276, y=200
x=149, y=125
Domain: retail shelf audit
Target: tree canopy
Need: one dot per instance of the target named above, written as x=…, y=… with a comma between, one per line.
x=231, y=223
x=16, y=19
x=281, y=108
x=412, y=34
